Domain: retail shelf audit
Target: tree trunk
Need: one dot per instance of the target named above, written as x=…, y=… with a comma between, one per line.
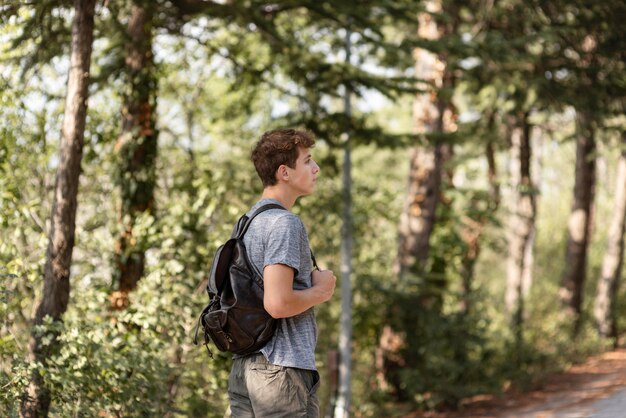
x=579, y=225
x=521, y=223
x=418, y=216
x=536, y=138
x=605, y=311
x=56, y=290
x=136, y=150
x=433, y=114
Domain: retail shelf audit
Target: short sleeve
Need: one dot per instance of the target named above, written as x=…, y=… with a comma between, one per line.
x=283, y=242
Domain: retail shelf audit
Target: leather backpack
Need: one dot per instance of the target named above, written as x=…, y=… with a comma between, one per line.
x=235, y=319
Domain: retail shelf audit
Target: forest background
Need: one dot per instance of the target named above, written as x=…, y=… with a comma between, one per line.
x=472, y=194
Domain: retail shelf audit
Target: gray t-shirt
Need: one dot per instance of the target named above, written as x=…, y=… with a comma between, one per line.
x=278, y=237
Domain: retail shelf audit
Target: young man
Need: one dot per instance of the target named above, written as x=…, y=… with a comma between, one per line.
x=281, y=380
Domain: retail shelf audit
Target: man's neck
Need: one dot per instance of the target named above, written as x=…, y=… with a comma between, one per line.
x=275, y=192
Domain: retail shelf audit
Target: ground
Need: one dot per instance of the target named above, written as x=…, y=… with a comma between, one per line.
x=594, y=389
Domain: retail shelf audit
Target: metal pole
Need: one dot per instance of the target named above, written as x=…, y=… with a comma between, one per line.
x=342, y=406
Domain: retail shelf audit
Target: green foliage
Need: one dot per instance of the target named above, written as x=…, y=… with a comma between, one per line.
x=109, y=363
x=42, y=32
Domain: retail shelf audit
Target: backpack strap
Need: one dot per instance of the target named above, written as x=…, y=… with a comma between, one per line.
x=242, y=228
x=314, y=261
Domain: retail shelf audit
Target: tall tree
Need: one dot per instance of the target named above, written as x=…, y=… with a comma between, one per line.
x=521, y=222
x=136, y=149
x=434, y=119
x=587, y=61
x=56, y=292
x=591, y=64
x=432, y=115
x=579, y=224
x=605, y=310
x=513, y=78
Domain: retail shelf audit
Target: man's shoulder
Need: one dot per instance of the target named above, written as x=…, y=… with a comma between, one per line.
x=279, y=211
x=279, y=218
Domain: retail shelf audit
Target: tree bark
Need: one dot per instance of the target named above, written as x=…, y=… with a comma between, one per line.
x=579, y=225
x=56, y=291
x=418, y=216
x=136, y=150
x=521, y=222
x=432, y=114
x=605, y=311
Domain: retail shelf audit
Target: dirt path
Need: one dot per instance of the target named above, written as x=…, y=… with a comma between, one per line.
x=595, y=389
x=580, y=392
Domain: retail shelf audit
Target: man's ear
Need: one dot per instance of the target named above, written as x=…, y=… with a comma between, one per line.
x=282, y=173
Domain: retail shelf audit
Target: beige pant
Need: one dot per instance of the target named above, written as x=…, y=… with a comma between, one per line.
x=258, y=389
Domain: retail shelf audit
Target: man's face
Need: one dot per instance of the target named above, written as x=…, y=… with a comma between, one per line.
x=304, y=176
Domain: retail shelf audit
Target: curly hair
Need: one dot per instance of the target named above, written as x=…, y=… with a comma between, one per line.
x=278, y=147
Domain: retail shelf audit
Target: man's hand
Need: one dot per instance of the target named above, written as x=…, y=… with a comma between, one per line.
x=324, y=281
x=281, y=300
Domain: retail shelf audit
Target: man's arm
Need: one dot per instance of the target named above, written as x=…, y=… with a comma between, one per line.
x=281, y=300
